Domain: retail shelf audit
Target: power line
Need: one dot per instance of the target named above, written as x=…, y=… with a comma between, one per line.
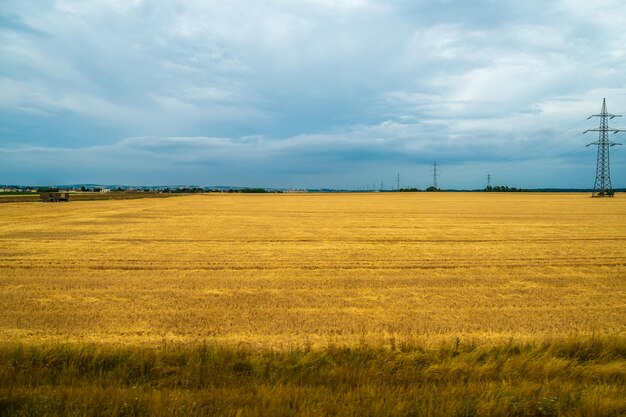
x=511, y=167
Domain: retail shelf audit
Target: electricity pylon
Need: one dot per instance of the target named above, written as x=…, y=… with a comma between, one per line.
x=602, y=186
x=435, y=171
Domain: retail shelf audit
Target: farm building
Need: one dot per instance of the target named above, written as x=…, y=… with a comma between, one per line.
x=54, y=197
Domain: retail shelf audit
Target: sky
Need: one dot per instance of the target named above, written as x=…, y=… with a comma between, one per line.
x=309, y=93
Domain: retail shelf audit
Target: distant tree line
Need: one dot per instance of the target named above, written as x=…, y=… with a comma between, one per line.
x=494, y=189
x=47, y=190
x=191, y=190
x=504, y=189
x=416, y=190
x=185, y=190
x=249, y=190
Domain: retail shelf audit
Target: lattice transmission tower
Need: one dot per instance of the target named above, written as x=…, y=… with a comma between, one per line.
x=435, y=174
x=602, y=186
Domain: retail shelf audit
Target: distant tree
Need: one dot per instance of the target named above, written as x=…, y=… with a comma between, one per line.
x=47, y=190
x=432, y=188
x=188, y=190
x=253, y=190
x=504, y=189
x=83, y=188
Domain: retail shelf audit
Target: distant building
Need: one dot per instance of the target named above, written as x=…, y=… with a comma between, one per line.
x=54, y=197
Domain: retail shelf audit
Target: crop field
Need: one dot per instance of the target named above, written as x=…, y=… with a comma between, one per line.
x=22, y=197
x=315, y=304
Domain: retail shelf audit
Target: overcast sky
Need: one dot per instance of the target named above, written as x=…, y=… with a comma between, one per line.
x=309, y=93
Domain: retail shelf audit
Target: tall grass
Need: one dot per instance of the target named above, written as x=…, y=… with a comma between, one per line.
x=574, y=377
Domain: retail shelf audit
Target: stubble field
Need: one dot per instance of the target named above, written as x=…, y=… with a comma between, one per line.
x=380, y=277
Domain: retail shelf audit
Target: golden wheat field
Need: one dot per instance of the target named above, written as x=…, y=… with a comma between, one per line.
x=286, y=270
x=380, y=304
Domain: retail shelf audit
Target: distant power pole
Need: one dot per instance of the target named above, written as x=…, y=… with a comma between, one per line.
x=488, y=180
x=398, y=182
x=602, y=186
x=435, y=171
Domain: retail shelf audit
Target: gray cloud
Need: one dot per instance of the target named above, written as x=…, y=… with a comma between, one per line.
x=310, y=93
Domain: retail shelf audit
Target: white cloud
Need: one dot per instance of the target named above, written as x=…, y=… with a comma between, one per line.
x=317, y=81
